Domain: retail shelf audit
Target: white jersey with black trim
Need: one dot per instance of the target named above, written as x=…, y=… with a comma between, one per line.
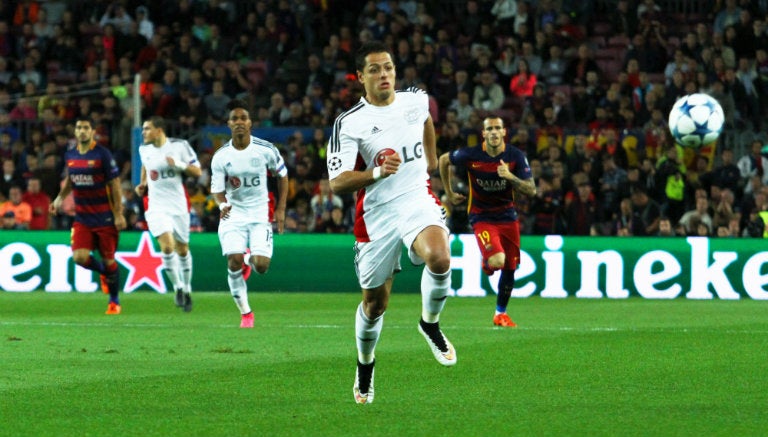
x=242, y=175
x=165, y=184
x=365, y=131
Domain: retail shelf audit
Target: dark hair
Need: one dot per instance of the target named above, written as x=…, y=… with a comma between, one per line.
x=158, y=122
x=85, y=118
x=238, y=104
x=366, y=49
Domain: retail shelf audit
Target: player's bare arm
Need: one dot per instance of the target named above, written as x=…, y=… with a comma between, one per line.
x=351, y=181
x=116, y=203
x=446, y=175
x=65, y=190
x=430, y=145
x=224, y=206
x=526, y=187
x=189, y=170
x=141, y=189
x=282, y=199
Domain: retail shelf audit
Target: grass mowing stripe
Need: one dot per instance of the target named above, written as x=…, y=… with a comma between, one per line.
x=573, y=367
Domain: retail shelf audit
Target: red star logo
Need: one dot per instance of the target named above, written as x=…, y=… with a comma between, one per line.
x=145, y=266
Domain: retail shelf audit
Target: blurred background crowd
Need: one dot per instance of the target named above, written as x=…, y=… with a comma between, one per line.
x=584, y=88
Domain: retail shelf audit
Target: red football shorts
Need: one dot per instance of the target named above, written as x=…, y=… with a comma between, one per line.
x=102, y=238
x=493, y=238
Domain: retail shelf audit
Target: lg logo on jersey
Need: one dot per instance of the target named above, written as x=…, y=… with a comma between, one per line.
x=247, y=182
x=162, y=174
x=415, y=152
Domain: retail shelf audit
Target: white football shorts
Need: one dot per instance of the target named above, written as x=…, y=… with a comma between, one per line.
x=235, y=237
x=390, y=227
x=161, y=222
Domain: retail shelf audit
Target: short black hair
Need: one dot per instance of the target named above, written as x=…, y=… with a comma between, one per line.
x=158, y=122
x=366, y=49
x=238, y=104
x=85, y=118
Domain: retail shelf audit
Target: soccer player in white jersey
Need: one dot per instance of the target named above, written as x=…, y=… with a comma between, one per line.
x=384, y=148
x=239, y=186
x=164, y=164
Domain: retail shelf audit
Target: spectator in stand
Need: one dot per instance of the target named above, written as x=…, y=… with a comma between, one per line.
x=521, y=85
x=216, y=103
x=691, y=219
x=727, y=174
x=581, y=64
x=40, y=202
x=488, y=95
x=581, y=212
x=10, y=177
x=21, y=210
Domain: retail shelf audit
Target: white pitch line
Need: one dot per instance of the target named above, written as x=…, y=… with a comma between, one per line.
x=404, y=327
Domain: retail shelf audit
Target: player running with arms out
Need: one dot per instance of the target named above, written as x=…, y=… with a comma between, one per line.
x=92, y=176
x=496, y=171
x=164, y=164
x=383, y=148
x=239, y=186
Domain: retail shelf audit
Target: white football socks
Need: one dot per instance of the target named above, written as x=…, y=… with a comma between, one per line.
x=185, y=263
x=239, y=290
x=435, y=288
x=367, y=334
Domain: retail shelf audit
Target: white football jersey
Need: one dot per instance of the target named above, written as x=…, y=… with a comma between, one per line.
x=365, y=130
x=242, y=174
x=165, y=184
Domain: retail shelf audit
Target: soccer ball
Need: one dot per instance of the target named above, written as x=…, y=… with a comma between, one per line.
x=696, y=120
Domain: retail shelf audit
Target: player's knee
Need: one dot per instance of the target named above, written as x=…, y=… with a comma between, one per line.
x=80, y=258
x=497, y=261
x=235, y=264
x=374, y=309
x=438, y=262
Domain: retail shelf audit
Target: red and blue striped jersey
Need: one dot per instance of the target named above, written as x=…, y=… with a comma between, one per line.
x=89, y=174
x=491, y=197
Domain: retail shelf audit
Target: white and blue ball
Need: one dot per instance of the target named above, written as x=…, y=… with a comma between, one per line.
x=696, y=120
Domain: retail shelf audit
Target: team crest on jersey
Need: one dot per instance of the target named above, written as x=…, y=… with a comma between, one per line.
x=154, y=175
x=234, y=181
x=334, y=164
x=412, y=116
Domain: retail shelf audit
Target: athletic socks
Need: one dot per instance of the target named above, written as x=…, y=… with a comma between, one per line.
x=506, y=284
x=239, y=290
x=435, y=288
x=113, y=282
x=367, y=334
x=185, y=267
x=171, y=269
x=95, y=265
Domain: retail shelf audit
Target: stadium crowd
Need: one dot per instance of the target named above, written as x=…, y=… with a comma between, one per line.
x=585, y=87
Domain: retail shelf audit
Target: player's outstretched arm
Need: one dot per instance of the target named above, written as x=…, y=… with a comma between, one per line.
x=430, y=145
x=446, y=175
x=65, y=190
x=141, y=189
x=282, y=199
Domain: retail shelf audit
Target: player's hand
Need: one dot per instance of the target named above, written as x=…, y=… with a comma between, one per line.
x=503, y=170
x=224, y=211
x=391, y=164
x=456, y=198
x=54, y=207
x=280, y=219
x=141, y=189
x=120, y=222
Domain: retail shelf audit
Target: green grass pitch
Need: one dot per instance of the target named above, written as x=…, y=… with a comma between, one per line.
x=573, y=367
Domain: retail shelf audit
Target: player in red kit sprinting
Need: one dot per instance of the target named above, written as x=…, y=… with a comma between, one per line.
x=496, y=172
x=93, y=178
